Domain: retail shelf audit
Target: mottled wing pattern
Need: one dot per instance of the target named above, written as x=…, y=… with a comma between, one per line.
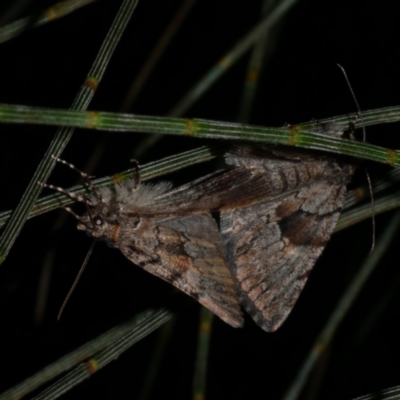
x=272, y=245
x=214, y=192
x=256, y=175
x=187, y=252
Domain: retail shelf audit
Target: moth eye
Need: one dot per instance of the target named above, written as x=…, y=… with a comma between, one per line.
x=98, y=221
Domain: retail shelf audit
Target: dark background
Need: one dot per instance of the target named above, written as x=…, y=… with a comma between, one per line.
x=299, y=81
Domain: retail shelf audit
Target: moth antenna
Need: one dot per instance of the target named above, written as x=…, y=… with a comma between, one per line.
x=138, y=176
x=373, y=211
x=366, y=172
x=359, y=114
x=73, y=196
x=78, y=277
x=84, y=175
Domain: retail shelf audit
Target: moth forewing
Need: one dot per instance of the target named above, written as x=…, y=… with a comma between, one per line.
x=184, y=250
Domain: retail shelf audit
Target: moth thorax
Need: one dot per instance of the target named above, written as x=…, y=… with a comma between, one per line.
x=113, y=232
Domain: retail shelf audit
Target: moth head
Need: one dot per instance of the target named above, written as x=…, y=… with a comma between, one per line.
x=94, y=228
x=95, y=222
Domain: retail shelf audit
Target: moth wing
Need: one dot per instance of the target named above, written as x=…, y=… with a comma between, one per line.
x=272, y=245
x=258, y=173
x=186, y=251
x=210, y=193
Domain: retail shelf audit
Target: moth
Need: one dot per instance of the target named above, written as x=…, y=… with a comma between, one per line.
x=278, y=209
x=184, y=250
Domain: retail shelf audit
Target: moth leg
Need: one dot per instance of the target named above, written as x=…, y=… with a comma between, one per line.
x=138, y=177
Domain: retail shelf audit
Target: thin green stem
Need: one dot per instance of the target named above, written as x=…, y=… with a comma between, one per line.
x=56, y=11
x=302, y=135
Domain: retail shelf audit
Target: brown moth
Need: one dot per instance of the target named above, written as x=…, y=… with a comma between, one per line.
x=278, y=210
x=184, y=250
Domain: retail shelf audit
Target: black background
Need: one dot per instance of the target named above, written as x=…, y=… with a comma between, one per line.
x=299, y=81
